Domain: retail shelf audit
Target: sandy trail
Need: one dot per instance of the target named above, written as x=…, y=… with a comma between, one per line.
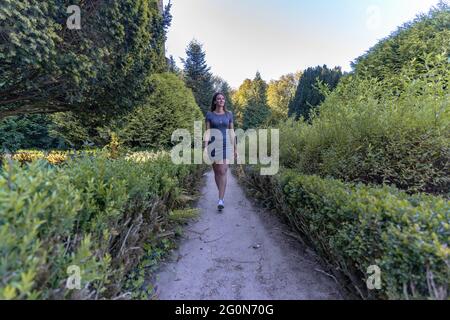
x=242, y=253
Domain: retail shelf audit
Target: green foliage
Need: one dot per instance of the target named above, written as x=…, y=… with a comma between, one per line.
x=81, y=129
x=354, y=226
x=197, y=75
x=171, y=106
x=115, y=147
x=172, y=66
x=418, y=45
x=25, y=132
x=364, y=133
x=45, y=67
x=92, y=212
x=395, y=130
x=405, y=236
x=279, y=94
x=240, y=100
x=256, y=112
x=183, y=215
x=307, y=95
x=52, y=157
x=384, y=130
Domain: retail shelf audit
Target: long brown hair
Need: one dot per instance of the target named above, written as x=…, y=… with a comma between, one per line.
x=213, y=103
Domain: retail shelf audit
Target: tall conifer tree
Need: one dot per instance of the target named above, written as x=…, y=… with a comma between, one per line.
x=198, y=76
x=257, y=111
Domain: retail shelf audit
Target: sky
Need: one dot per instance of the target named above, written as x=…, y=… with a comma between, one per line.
x=276, y=37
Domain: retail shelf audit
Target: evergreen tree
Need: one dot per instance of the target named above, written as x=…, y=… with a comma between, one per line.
x=28, y=132
x=82, y=129
x=172, y=66
x=257, y=111
x=46, y=68
x=307, y=95
x=197, y=75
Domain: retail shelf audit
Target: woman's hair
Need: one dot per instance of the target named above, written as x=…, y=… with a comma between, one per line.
x=213, y=103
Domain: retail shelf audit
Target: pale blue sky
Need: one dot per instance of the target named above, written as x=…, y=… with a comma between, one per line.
x=282, y=36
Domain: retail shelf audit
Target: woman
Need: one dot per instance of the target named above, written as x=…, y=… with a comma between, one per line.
x=222, y=119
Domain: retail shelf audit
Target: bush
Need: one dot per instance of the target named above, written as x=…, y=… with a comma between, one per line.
x=387, y=123
x=421, y=43
x=92, y=212
x=365, y=134
x=389, y=120
x=53, y=156
x=353, y=226
x=171, y=106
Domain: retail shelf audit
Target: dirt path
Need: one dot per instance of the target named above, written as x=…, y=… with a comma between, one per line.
x=242, y=253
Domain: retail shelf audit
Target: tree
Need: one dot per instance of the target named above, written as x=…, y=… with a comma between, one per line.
x=197, y=75
x=172, y=66
x=257, y=111
x=80, y=129
x=46, y=67
x=241, y=99
x=307, y=95
x=171, y=106
x=388, y=121
x=279, y=95
x=28, y=132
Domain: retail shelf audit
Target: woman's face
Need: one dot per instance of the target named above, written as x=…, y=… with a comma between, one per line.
x=220, y=101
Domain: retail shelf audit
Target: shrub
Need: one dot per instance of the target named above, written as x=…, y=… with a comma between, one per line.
x=92, y=212
x=389, y=120
x=365, y=134
x=353, y=226
x=171, y=106
x=53, y=157
x=422, y=44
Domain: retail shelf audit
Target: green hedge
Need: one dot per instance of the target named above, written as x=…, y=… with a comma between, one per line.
x=388, y=122
x=353, y=226
x=92, y=212
x=364, y=134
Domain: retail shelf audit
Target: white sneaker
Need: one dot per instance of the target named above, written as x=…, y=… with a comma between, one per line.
x=220, y=205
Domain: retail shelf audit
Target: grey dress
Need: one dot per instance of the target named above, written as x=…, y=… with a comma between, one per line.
x=221, y=122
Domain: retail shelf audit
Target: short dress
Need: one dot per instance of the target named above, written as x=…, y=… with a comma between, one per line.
x=221, y=122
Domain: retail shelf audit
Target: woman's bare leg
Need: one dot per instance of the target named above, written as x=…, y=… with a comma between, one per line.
x=216, y=174
x=220, y=175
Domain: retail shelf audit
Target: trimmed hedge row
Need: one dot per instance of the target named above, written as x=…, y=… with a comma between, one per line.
x=354, y=226
x=92, y=212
